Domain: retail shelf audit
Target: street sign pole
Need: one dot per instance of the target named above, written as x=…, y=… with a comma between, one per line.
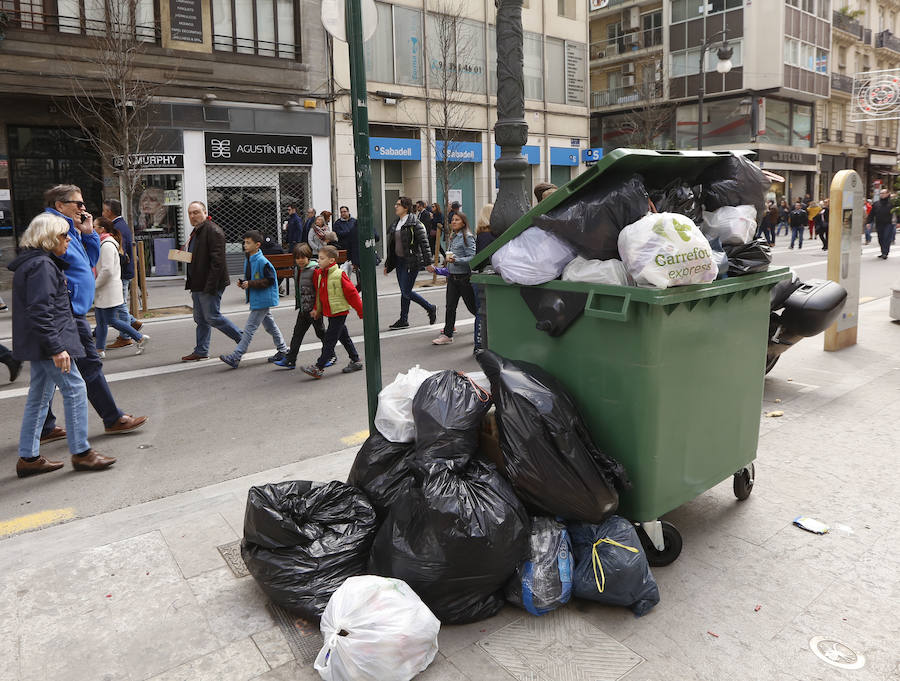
x=359, y=109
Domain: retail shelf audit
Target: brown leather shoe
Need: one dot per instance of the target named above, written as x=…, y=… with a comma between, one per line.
x=136, y=325
x=120, y=343
x=194, y=357
x=25, y=468
x=92, y=461
x=126, y=424
x=56, y=434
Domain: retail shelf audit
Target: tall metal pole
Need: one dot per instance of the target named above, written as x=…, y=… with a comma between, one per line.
x=511, y=129
x=359, y=109
x=701, y=91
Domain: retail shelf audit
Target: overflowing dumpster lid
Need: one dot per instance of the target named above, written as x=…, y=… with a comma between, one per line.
x=657, y=168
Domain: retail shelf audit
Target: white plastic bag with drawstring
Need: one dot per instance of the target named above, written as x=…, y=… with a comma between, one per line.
x=376, y=629
x=393, y=418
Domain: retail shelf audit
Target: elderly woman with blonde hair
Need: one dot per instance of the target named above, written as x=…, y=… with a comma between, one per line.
x=45, y=334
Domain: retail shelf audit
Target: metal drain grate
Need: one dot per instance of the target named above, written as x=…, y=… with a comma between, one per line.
x=303, y=636
x=560, y=646
x=231, y=553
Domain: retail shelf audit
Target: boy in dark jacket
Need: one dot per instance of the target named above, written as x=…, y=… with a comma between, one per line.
x=261, y=286
x=335, y=295
x=305, y=304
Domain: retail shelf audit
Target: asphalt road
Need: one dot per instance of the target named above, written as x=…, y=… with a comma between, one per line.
x=209, y=423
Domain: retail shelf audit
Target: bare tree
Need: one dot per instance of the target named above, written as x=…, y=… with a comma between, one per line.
x=110, y=100
x=649, y=126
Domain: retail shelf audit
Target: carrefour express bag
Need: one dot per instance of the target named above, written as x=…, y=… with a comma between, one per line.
x=662, y=250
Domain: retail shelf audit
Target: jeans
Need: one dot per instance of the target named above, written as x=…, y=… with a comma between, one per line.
x=458, y=286
x=336, y=331
x=797, y=232
x=778, y=228
x=207, y=316
x=45, y=378
x=406, y=277
x=301, y=326
x=126, y=291
x=868, y=231
x=261, y=316
x=112, y=316
x=885, y=234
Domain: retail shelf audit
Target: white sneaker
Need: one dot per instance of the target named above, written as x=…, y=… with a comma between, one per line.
x=102, y=354
x=442, y=340
x=141, y=344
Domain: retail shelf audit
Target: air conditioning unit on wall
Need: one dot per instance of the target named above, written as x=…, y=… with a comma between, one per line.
x=628, y=81
x=631, y=18
x=628, y=69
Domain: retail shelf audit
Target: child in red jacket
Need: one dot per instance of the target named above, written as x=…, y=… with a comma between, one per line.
x=335, y=295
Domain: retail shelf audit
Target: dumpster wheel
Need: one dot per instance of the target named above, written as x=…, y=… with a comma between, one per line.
x=743, y=482
x=672, y=545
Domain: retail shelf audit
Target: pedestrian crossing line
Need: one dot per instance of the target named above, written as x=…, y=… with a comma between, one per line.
x=355, y=438
x=35, y=520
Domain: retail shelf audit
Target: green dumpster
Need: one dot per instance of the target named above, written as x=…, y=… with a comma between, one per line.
x=669, y=381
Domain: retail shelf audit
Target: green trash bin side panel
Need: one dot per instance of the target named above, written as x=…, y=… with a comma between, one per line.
x=672, y=390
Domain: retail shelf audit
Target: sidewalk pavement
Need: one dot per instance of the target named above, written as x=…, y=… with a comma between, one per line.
x=145, y=592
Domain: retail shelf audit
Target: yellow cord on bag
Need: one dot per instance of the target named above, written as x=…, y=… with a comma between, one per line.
x=601, y=579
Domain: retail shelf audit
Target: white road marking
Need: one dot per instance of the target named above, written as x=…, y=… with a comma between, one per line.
x=825, y=262
x=259, y=354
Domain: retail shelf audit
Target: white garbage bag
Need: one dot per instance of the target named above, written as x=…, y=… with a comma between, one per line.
x=734, y=225
x=534, y=257
x=666, y=249
x=376, y=629
x=596, y=272
x=393, y=418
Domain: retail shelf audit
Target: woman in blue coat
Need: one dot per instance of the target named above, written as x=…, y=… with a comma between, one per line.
x=45, y=334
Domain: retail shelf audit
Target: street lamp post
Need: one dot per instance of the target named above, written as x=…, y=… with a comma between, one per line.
x=723, y=66
x=511, y=130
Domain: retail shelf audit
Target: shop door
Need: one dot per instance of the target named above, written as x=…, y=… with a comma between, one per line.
x=42, y=157
x=393, y=190
x=157, y=221
x=559, y=175
x=462, y=179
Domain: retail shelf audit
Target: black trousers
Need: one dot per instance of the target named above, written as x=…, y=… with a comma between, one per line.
x=301, y=326
x=336, y=332
x=885, y=237
x=458, y=286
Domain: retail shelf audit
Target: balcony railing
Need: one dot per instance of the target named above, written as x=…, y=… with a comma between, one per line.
x=841, y=82
x=643, y=92
x=844, y=23
x=29, y=19
x=624, y=44
x=824, y=135
x=867, y=36
x=887, y=40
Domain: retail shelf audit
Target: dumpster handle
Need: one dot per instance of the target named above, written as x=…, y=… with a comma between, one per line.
x=610, y=315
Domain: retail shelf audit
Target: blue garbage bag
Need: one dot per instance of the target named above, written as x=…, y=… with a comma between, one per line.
x=543, y=581
x=611, y=567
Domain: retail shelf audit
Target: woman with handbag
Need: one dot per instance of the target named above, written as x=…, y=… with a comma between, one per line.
x=407, y=251
x=461, y=250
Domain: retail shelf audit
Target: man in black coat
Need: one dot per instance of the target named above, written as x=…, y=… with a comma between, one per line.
x=207, y=277
x=294, y=228
x=881, y=215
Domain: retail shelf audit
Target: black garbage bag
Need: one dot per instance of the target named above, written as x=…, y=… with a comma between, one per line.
x=455, y=535
x=549, y=456
x=735, y=181
x=543, y=582
x=679, y=197
x=591, y=220
x=379, y=470
x=448, y=410
x=301, y=541
x=611, y=567
x=748, y=258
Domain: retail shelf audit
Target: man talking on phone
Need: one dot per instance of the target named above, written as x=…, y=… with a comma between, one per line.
x=66, y=201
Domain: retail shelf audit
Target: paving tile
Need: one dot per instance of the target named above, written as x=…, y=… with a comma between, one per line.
x=292, y=671
x=239, y=661
x=9, y=632
x=117, y=612
x=456, y=637
x=441, y=669
x=194, y=539
x=274, y=647
x=235, y=608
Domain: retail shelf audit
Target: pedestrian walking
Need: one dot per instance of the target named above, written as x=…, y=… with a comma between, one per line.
x=45, y=334
x=207, y=277
x=822, y=220
x=261, y=286
x=294, y=232
x=784, y=213
x=407, y=252
x=461, y=250
x=882, y=216
x=769, y=221
x=305, y=295
x=799, y=220
x=112, y=210
x=335, y=295
x=813, y=209
x=483, y=238
x=108, y=295
x=868, y=225
x=318, y=235
x=308, y=225
x=81, y=257
x=347, y=230
x=14, y=365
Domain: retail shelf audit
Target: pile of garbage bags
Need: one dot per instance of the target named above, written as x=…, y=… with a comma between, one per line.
x=623, y=233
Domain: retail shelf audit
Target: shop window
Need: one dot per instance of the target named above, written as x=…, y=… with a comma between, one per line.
x=534, y=64
x=801, y=128
x=379, y=49
x=778, y=122
x=100, y=18
x=156, y=220
x=263, y=27
x=556, y=64
x=724, y=122
x=408, y=57
x=456, y=53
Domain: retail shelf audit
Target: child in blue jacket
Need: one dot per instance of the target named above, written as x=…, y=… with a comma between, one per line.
x=261, y=285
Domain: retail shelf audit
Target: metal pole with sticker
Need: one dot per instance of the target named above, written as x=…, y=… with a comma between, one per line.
x=846, y=215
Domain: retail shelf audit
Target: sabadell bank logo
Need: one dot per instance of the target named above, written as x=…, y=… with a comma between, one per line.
x=383, y=150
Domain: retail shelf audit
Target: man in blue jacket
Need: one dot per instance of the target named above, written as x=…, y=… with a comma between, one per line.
x=294, y=228
x=112, y=210
x=66, y=201
x=308, y=225
x=347, y=232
